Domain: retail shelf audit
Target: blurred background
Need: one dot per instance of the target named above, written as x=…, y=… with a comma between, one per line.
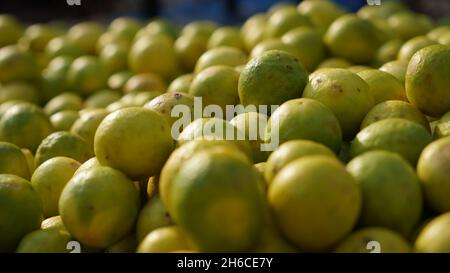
x=178, y=11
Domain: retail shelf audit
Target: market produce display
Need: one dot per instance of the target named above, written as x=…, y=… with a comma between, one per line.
x=308, y=128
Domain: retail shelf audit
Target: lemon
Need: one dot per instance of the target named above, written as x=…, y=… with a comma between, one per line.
x=290, y=151
x=432, y=171
x=63, y=143
x=164, y=240
x=383, y=86
x=392, y=197
x=25, y=125
x=63, y=120
x=152, y=216
x=86, y=125
x=258, y=87
x=134, y=140
x=89, y=210
x=20, y=210
x=13, y=161
x=49, y=180
x=214, y=189
x=315, y=202
x=395, y=109
x=345, y=93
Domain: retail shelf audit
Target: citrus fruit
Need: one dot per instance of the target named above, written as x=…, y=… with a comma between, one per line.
x=181, y=84
x=395, y=109
x=283, y=20
x=334, y=63
x=189, y=48
x=435, y=236
x=141, y=98
x=20, y=210
x=427, y=80
x=359, y=241
x=315, y=202
x=321, y=13
x=164, y=240
x=443, y=126
x=225, y=36
x=53, y=81
x=25, y=125
x=88, y=164
x=165, y=103
x=252, y=31
x=63, y=120
x=63, y=144
x=13, y=161
x=308, y=44
x=217, y=85
x=19, y=91
x=383, y=86
x=30, y=159
x=89, y=210
x=153, y=54
x=10, y=28
x=125, y=25
x=391, y=192
x=127, y=244
x=64, y=101
x=352, y=38
x=272, y=241
x=432, y=170
x=256, y=84
x=101, y=99
x=407, y=138
x=118, y=80
x=45, y=241
x=437, y=32
x=86, y=125
x=223, y=55
x=87, y=75
x=36, y=37
x=134, y=140
x=272, y=44
x=290, y=151
x=388, y=51
x=85, y=35
x=181, y=155
x=54, y=222
x=49, y=179
x=345, y=93
x=214, y=189
x=413, y=45
x=201, y=28
x=396, y=69
x=408, y=24
x=17, y=65
x=152, y=216
x=6, y=105
x=112, y=38
x=161, y=26
x=144, y=82
x=62, y=46
x=294, y=119
x=114, y=57
x=252, y=126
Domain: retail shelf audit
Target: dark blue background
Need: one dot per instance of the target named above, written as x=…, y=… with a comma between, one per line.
x=182, y=11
